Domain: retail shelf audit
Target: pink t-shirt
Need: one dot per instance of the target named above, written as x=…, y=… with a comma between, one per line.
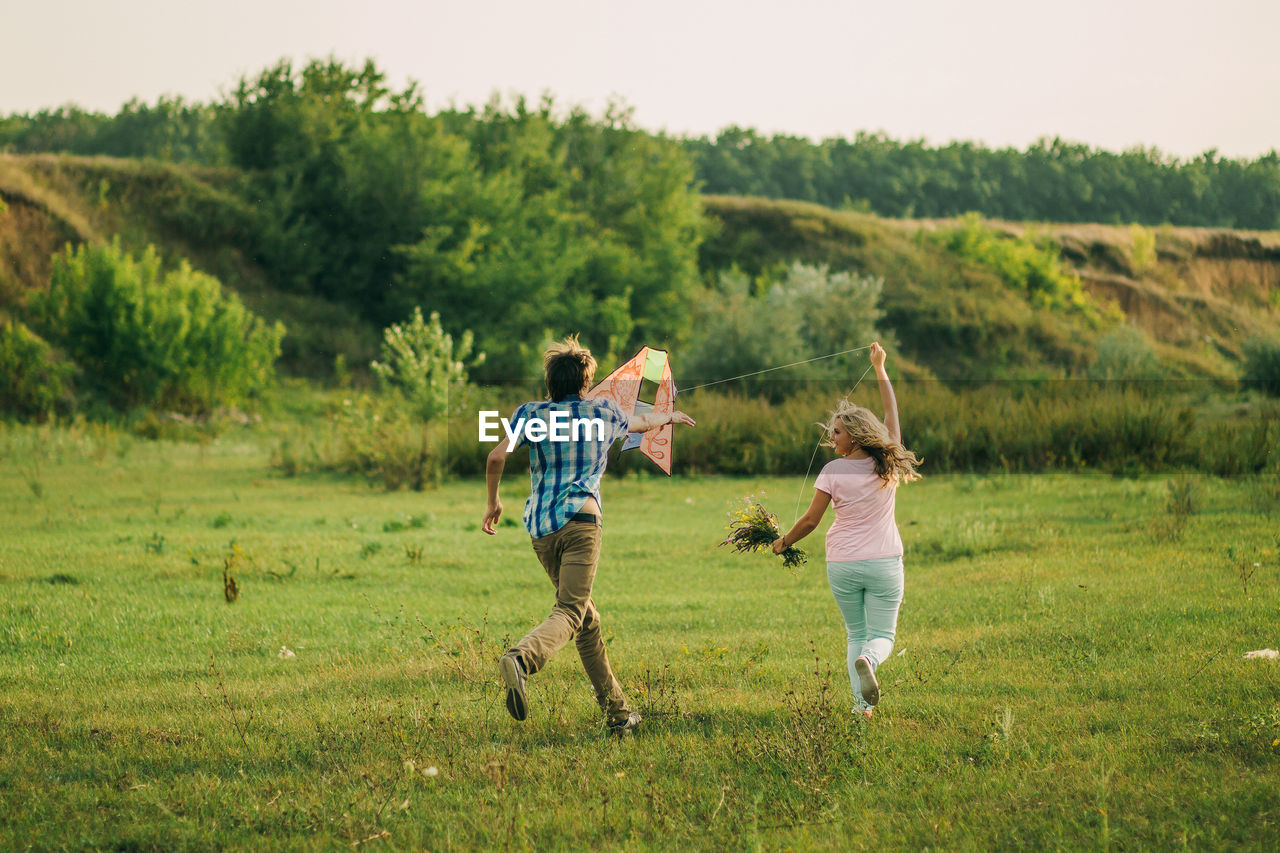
x=864, y=528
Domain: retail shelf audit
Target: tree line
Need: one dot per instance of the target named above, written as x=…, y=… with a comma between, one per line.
x=1052, y=180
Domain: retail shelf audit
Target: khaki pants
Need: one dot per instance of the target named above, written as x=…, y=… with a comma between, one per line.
x=570, y=556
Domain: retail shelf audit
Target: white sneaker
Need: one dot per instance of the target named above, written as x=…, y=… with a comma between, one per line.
x=867, y=680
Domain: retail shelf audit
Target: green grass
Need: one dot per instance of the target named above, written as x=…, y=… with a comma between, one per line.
x=1069, y=670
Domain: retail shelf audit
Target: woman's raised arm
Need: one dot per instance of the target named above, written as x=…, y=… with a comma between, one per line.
x=887, y=398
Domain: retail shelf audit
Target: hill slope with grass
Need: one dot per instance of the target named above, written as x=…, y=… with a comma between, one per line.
x=1196, y=294
x=199, y=215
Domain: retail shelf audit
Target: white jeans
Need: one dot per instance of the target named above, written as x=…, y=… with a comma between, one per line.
x=869, y=594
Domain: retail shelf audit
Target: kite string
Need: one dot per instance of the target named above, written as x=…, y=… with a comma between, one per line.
x=784, y=367
x=771, y=369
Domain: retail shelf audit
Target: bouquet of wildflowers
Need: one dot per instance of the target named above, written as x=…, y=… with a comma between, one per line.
x=753, y=528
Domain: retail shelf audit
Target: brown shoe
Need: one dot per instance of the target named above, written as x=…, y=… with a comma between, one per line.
x=513, y=676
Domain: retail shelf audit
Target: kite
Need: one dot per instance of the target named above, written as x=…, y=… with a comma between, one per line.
x=623, y=387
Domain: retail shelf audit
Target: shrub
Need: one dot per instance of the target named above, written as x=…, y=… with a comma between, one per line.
x=1125, y=354
x=739, y=334
x=421, y=363
x=1142, y=249
x=143, y=339
x=1262, y=363
x=835, y=312
x=1027, y=262
x=34, y=383
x=808, y=314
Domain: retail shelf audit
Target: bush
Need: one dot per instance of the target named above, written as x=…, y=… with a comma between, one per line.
x=1142, y=249
x=1026, y=262
x=421, y=363
x=835, y=312
x=1125, y=354
x=810, y=313
x=143, y=339
x=1262, y=363
x=34, y=383
x=740, y=334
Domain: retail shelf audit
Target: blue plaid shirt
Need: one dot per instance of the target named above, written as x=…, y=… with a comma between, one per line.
x=563, y=474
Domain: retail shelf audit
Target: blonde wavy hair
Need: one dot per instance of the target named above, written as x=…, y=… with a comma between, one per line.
x=894, y=462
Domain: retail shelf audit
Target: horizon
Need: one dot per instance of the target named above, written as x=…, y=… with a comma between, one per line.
x=1155, y=76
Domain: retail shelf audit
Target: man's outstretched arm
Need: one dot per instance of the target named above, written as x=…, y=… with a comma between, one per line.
x=653, y=420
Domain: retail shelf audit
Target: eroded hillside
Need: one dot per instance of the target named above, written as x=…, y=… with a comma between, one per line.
x=1198, y=294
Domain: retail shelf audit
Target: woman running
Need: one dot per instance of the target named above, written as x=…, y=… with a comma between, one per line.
x=864, y=550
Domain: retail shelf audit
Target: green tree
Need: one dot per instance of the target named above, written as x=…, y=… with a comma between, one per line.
x=347, y=169
x=569, y=224
x=513, y=221
x=422, y=363
x=1053, y=179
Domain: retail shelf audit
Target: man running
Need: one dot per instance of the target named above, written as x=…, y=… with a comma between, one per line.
x=563, y=518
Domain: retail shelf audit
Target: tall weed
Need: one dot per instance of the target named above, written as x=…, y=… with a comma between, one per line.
x=375, y=438
x=994, y=427
x=1020, y=427
x=1011, y=427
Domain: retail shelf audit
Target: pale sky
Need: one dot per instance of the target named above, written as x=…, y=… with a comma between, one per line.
x=1182, y=76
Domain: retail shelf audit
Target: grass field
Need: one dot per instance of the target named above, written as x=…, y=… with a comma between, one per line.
x=1069, y=671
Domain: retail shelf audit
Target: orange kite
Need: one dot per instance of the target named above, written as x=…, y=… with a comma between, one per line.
x=623, y=387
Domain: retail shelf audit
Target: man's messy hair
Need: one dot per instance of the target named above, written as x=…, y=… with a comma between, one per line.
x=569, y=366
